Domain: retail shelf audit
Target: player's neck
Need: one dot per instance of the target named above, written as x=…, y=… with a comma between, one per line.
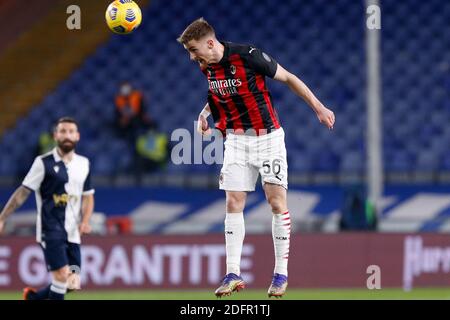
x=65, y=157
x=218, y=53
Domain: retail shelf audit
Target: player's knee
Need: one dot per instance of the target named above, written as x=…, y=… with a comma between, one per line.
x=235, y=205
x=61, y=274
x=277, y=203
x=235, y=202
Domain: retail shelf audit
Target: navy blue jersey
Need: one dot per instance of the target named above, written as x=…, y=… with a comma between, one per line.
x=59, y=188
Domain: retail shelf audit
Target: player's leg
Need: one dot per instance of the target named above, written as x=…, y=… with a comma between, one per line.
x=273, y=170
x=58, y=263
x=30, y=293
x=236, y=178
x=74, y=256
x=234, y=229
x=58, y=287
x=54, y=291
x=281, y=232
x=234, y=240
x=55, y=253
x=281, y=225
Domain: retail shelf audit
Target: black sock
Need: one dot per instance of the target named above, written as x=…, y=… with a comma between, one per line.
x=41, y=294
x=57, y=290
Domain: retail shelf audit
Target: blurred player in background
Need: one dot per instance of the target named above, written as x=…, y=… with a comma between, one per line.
x=61, y=181
x=242, y=108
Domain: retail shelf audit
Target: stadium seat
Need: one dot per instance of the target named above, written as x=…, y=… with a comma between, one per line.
x=416, y=108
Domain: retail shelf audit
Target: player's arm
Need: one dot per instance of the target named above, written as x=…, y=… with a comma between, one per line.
x=87, y=204
x=87, y=208
x=15, y=201
x=32, y=181
x=325, y=115
x=202, y=123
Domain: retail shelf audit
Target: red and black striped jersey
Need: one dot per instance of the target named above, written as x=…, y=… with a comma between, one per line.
x=237, y=94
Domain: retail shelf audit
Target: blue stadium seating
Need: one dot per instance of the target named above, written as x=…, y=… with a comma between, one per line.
x=322, y=41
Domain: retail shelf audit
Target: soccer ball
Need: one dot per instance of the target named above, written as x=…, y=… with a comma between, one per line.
x=123, y=16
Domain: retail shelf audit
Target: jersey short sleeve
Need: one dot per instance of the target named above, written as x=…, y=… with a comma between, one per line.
x=261, y=62
x=87, y=186
x=35, y=176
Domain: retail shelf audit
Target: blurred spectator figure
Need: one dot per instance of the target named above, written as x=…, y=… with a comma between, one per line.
x=357, y=212
x=151, y=151
x=46, y=142
x=131, y=114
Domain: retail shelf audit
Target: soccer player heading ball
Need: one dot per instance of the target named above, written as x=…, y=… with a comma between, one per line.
x=242, y=108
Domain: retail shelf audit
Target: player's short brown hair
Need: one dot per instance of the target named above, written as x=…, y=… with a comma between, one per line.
x=195, y=31
x=65, y=120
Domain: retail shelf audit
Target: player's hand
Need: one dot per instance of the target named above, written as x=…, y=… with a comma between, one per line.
x=326, y=117
x=85, y=228
x=202, y=126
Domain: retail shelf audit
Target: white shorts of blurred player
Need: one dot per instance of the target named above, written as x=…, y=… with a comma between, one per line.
x=247, y=156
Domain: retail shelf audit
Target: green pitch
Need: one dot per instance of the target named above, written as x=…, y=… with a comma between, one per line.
x=250, y=294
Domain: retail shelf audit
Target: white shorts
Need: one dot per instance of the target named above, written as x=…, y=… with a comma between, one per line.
x=247, y=156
